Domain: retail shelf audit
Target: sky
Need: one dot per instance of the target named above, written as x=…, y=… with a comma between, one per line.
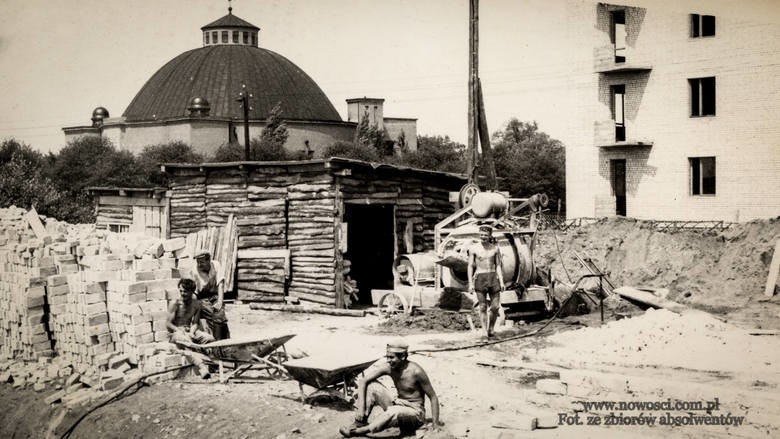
x=61, y=59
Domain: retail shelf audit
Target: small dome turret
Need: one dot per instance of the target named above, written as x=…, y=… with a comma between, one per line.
x=199, y=107
x=98, y=114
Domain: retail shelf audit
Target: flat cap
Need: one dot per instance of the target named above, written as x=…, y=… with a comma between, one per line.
x=201, y=253
x=397, y=345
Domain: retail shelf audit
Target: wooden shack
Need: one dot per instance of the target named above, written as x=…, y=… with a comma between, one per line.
x=303, y=225
x=134, y=210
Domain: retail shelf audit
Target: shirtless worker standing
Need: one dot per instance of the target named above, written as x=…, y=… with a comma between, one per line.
x=407, y=411
x=485, y=276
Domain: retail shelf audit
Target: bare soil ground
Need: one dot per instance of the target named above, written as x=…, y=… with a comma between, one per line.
x=722, y=272
x=489, y=391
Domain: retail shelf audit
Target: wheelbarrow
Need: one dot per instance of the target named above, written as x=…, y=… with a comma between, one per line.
x=248, y=354
x=332, y=377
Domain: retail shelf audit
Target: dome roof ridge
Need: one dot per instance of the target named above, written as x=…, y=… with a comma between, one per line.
x=229, y=21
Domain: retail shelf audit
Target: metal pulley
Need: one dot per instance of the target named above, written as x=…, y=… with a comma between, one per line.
x=466, y=194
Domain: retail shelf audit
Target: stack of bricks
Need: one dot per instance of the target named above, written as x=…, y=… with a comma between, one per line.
x=84, y=295
x=23, y=321
x=138, y=310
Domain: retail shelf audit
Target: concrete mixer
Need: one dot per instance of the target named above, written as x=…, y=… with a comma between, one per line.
x=528, y=291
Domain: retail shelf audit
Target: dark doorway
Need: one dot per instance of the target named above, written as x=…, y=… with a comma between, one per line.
x=619, y=185
x=370, y=235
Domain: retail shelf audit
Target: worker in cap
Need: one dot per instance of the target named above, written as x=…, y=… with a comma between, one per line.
x=486, y=277
x=398, y=346
x=407, y=410
x=202, y=254
x=210, y=282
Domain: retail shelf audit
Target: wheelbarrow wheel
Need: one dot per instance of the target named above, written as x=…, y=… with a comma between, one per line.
x=393, y=303
x=278, y=358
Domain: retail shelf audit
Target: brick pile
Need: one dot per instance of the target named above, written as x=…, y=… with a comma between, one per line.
x=23, y=320
x=83, y=305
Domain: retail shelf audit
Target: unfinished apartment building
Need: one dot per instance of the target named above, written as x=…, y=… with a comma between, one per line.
x=676, y=114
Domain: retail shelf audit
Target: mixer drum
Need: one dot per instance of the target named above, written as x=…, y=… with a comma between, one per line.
x=516, y=258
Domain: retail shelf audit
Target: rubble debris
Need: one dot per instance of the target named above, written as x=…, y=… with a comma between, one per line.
x=431, y=319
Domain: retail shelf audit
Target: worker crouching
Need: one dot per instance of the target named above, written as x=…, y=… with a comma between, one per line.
x=183, y=322
x=407, y=410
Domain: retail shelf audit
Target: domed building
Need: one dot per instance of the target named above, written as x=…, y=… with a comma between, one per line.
x=196, y=98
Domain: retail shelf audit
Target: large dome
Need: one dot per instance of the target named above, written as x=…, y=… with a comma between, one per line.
x=217, y=73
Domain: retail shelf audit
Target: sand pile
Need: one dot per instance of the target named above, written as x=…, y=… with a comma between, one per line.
x=694, y=340
x=712, y=270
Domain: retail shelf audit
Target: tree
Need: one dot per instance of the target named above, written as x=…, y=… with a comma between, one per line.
x=92, y=161
x=530, y=160
x=403, y=147
x=269, y=146
x=271, y=142
x=370, y=135
x=23, y=180
x=172, y=152
x=436, y=153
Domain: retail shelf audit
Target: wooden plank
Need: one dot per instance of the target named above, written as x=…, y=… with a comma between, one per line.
x=774, y=270
x=647, y=298
x=138, y=225
x=114, y=200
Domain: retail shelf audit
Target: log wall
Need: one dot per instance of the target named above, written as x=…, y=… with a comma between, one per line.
x=300, y=208
x=274, y=209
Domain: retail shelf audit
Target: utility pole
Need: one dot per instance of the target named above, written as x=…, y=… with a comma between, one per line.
x=244, y=97
x=472, y=161
x=478, y=129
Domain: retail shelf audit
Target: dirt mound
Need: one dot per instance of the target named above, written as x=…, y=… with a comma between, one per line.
x=431, y=320
x=712, y=270
x=693, y=340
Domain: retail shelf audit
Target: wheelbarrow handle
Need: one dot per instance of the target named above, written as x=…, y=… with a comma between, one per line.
x=269, y=363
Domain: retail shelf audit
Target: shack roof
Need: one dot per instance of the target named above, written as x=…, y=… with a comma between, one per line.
x=333, y=164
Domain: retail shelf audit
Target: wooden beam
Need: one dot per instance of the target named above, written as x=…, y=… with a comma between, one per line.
x=774, y=270
x=649, y=299
x=309, y=309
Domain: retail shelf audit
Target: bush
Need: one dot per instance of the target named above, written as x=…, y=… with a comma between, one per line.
x=173, y=152
x=349, y=150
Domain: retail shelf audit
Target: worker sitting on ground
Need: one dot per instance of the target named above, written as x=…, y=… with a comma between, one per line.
x=210, y=292
x=183, y=322
x=407, y=411
x=485, y=277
